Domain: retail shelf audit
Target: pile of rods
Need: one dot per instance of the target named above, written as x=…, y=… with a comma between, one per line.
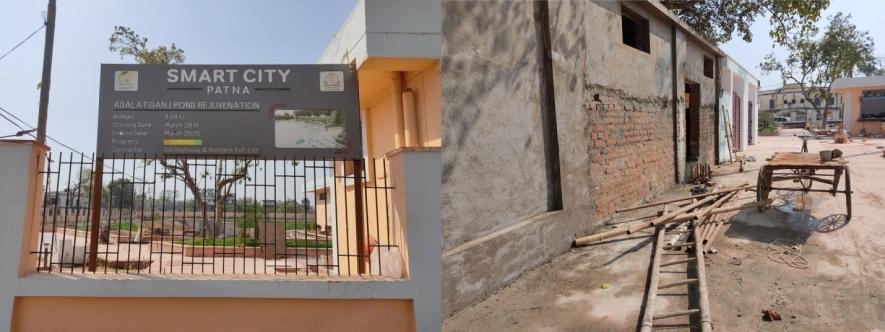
x=707, y=209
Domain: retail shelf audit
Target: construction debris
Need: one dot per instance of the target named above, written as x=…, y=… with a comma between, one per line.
x=770, y=315
x=700, y=173
x=704, y=209
x=694, y=225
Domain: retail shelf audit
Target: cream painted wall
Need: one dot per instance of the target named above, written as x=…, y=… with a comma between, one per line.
x=209, y=314
x=851, y=106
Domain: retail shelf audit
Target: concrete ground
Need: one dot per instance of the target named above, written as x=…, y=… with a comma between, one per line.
x=601, y=287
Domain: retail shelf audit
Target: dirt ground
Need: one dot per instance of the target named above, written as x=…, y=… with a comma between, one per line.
x=601, y=287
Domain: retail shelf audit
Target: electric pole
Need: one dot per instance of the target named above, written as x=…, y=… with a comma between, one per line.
x=47, y=70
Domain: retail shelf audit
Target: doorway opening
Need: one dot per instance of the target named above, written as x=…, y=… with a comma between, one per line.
x=750, y=123
x=692, y=120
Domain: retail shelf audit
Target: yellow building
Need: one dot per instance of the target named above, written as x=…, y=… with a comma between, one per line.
x=863, y=99
x=399, y=80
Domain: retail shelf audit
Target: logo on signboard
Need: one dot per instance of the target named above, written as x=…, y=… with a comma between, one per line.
x=331, y=81
x=125, y=80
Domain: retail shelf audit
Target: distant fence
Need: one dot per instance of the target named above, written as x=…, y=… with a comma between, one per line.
x=131, y=214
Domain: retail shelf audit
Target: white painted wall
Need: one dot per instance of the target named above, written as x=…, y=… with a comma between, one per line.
x=18, y=174
x=736, y=79
x=387, y=28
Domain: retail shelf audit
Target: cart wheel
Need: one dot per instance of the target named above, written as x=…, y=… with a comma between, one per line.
x=805, y=183
x=848, y=193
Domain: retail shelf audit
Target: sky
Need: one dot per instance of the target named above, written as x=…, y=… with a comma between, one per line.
x=209, y=32
x=221, y=32
x=865, y=14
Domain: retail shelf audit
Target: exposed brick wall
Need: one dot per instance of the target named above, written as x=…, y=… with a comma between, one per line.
x=708, y=132
x=630, y=143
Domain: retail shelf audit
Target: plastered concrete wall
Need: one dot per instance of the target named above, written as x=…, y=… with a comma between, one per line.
x=691, y=63
x=495, y=192
x=209, y=314
x=491, y=115
x=615, y=119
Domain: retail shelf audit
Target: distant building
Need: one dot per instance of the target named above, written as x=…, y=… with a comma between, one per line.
x=788, y=101
x=863, y=99
x=739, y=103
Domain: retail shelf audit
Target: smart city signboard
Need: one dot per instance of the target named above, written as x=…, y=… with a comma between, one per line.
x=148, y=111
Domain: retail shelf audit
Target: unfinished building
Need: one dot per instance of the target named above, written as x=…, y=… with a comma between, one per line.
x=554, y=115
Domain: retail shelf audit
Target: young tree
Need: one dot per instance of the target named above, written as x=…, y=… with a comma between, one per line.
x=815, y=62
x=127, y=43
x=720, y=20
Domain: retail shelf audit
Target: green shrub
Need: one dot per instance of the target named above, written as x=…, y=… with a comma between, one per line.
x=241, y=242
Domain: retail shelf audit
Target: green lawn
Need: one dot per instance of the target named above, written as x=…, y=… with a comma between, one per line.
x=125, y=225
x=301, y=224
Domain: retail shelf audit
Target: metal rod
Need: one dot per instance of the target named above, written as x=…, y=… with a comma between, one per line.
x=361, y=236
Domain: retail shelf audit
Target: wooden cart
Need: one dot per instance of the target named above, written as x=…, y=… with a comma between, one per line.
x=806, y=169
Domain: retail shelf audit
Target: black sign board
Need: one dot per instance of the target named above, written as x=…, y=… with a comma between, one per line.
x=229, y=110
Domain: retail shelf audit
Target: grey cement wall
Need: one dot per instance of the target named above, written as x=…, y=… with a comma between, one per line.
x=614, y=108
x=491, y=115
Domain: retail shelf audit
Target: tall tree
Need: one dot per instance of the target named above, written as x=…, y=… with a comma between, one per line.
x=720, y=20
x=305, y=203
x=814, y=62
x=119, y=193
x=127, y=43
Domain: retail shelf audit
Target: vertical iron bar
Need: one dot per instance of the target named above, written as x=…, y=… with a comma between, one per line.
x=316, y=238
x=68, y=200
x=43, y=258
x=386, y=191
x=55, y=213
x=153, y=215
x=346, y=213
x=174, y=214
x=77, y=212
x=95, y=217
x=326, y=216
x=361, y=237
x=377, y=222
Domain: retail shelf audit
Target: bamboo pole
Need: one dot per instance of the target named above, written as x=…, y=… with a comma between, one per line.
x=706, y=321
x=745, y=186
x=708, y=221
x=665, y=220
x=633, y=228
x=713, y=234
x=648, y=314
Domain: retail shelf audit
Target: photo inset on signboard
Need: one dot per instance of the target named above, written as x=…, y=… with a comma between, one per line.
x=309, y=128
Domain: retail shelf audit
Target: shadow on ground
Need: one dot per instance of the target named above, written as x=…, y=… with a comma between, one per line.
x=789, y=218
